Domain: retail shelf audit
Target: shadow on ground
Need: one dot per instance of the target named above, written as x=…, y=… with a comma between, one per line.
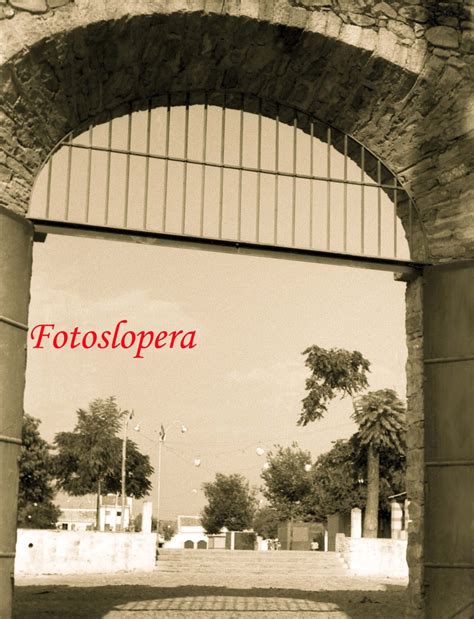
x=205, y=601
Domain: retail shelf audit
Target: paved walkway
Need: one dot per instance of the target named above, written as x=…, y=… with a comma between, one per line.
x=195, y=594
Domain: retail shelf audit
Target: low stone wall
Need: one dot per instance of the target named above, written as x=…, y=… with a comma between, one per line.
x=71, y=552
x=374, y=557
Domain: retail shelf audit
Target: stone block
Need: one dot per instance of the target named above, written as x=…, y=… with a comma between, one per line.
x=401, y=30
x=415, y=13
x=33, y=6
x=359, y=19
x=334, y=25
x=317, y=21
x=309, y=4
x=448, y=20
x=358, y=6
x=386, y=43
x=443, y=36
x=351, y=34
x=54, y=4
x=385, y=9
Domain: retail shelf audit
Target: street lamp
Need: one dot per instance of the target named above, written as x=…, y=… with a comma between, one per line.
x=128, y=417
x=163, y=431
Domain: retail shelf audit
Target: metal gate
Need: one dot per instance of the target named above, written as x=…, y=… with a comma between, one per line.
x=198, y=170
x=449, y=450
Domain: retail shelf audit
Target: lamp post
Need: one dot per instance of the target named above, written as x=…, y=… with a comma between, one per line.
x=163, y=431
x=128, y=416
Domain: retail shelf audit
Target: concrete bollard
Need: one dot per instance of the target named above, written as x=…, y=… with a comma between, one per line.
x=396, y=523
x=356, y=523
x=147, y=511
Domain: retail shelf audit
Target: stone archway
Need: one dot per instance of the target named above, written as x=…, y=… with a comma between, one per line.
x=396, y=80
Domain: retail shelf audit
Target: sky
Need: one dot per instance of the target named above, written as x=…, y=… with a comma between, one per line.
x=241, y=387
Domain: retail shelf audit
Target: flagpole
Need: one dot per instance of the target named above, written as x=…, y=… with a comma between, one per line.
x=158, y=488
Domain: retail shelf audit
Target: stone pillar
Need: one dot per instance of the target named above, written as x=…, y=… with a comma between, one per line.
x=16, y=243
x=396, y=520
x=102, y=518
x=415, y=479
x=147, y=511
x=356, y=522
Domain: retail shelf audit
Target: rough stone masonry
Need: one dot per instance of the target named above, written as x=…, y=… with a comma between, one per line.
x=397, y=76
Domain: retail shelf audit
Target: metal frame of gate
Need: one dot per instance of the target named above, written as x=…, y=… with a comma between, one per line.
x=301, y=130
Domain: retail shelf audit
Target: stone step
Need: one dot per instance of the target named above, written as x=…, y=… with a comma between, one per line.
x=267, y=564
x=254, y=558
x=236, y=554
x=271, y=564
x=333, y=571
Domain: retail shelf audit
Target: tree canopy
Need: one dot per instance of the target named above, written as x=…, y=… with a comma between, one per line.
x=338, y=480
x=89, y=458
x=231, y=504
x=288, y=484
x=36, y=492
x=333, y=371
x=380, y=416
x=265, y=522
x=138, y=470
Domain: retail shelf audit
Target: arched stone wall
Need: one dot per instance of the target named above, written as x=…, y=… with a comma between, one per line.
x=396, y=76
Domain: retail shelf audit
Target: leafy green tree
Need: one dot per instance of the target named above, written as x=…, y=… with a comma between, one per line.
x=380, y=416
x=137, y=470
x=338, y=480
x=231, y=504
x=288, y=482
x=333, y=371
x=167, y=529
x=88, y=459
x=36, y=492
x=265, y=522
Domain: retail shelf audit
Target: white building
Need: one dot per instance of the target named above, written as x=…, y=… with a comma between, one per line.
x=79, y=513
x=190, y=534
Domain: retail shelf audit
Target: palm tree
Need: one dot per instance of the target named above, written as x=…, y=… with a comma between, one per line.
x=380, y=416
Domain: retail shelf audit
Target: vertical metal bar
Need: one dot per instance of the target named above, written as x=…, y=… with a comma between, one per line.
x=89, y=174
x=345, y=192
x=379, y=209
x=362, y=200
x=241, y=158
x=127, y=168
x=48, y=185
x=185, y=171
x=277, y=165
x=68, y=178
x=221, y=176
x=259, y=166
x=311, y=182
x=109, y=163
x=395, y=217
x=167, y=153
x=147, y=165
x=293, y=193
x=328, y=193
x=203, y=167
